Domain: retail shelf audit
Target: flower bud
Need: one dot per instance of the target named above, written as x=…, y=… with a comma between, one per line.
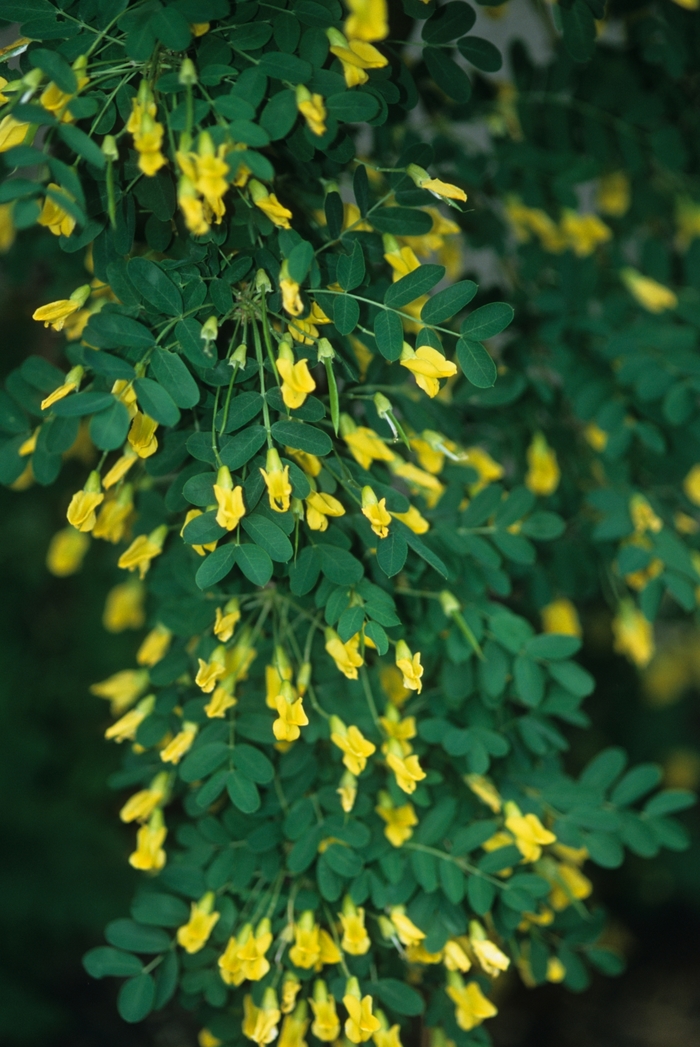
x=109, y=148
x=262, y=280
x=449, y=603
x=187, y=74
x=210, y=330
x=325, y=350
x=239, y=355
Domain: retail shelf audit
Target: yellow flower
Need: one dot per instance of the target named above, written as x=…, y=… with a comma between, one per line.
x=691, y=485
x=413, y=520
x=81, y=511
x=528, y=220
x=407, y=770
x=419, y=954
x=55, y=314
x=490, y=957
x=485, y=790
x=356, y=56
x=294, y=1028
x=193, y=935
x=55, y=217
x=211, y=169
x=126, y=727
x=366, y=447
x=326, y=1026
x=595, y=437
x=297, y=383
x=147, y=132
x=124, y=607
x=268, y=203
x=584, y=232
x=113, y=516
x=312, y=946
x=399, y=821
x=12, y=133
x=345, y=655
x=211, y=671
x=427, y=366
x=222, y=699
x=66, y=552
x=368, y=20
x=309, y=462
x=142, y=436
x=154, y=646
x=355, y=939
x=7, y=228
x=319, y=506
x=56, y=101
x=290, y=713
x=200, y=550
x=643, y=516
x=192, y=207
x=406, y=929
x=122, y=688
x=402, y=260
x=260, y=1023
x=634, y=635
x=543, y=474
x=560, y=616
x=120, y=468
x=149, y=855
x=312, y=109
x=291, y=299
x=391, y=680
x=529, y=832
x=400, y=730
x=556, y=971
x=206, y=1038
x=410, y=666
x=650, y=294
x=142, y=804
x=361, y=1023
x=352, y=743
x=376, y=512
x=181, y=743
x=568, y=884
x=230, y=966
x=455, y=957
x=227, y=620
x=442, y=190
x=143, y=550
x=687, y=222
x=347, y=791
x=229, y=499
x=614, y=194
x=252, y=949
x=472, y=1007
x=276, y=477
x=290, y=990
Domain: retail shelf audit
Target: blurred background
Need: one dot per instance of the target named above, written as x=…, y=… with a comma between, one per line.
x=65, y=871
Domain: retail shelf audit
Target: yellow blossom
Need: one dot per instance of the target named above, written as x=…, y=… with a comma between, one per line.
x=55, y=314
x=200, y=550
x=124, y=607
x=419, y=954
x=455, y=958
x=543, y=474
x=614, y=194
x=319, y=506
x=407, y=770
x=297, y=383
x=56, y=219
x=633, y=635
x=650, y=294
x=290, y=990
x=192, y=207
x=112, y=519
x=260, y=1023
x=442, y=190
x=142, y=804
x=211, y=671
x=345, y=655
x=528, y=220
x=368, y=20
x=584, y=232
x=269, y=205
x=227, y=620
x=376, y=512
x=356, y=57
x=276, y=477
x=326, y=1025
x=66, y=552
x=687, y=222
x=406, y=929
x=143, y=550
x=122, y=689
x=290, y=715
x=149, y=855
x=7, y=228
x=361, y=1023
x=472, y=1007
x=400, y=730
x=312, y=109
x=355, y=747
x=560, y=616
x=556, y=971
x=222, y=699
x=181, y=743
x=485, y=790
x=366, y=447
x=410, y=666
x=595, y=437
x=529, y=832
x=490, y=957
x=691, y=485
x=355, y=939
x=229, y=499
x=126, y=727
x=193, y=935
x=309, y=462
x=294, y=1028
x=413, y=520
x=402, y=260
x=347, y=791
x=399, y=821
x=291, y=299
x=154, y=646
x=251, y=950
x=391, y=680
x=120, y=468
x=206, y=1038
x=12, y=133
x=568, y=884
x=142, y=436
x=643, y=516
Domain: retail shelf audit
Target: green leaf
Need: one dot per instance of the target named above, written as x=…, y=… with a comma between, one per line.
x=481, y=894
x=82, y=144
x=203, y=529
x=452, y=881
x=172, y=374
x=399, y=997
x=351, y=268
x=54, y=65
x=360, y=187
x=255, y=563
x=156, y=402
x=213, y=788
x=243, y=447
x=448, y=22
x=636, y=783
x=171, y=28
x=280, y=66
x=419, y=547
x=391, y=553
x=79, y=404
x=127, y=934
x=299, y=260
x=476, y=363
x=353, y=107
x=487, y=321
x=668, y=801
x=253, y=763
x=159, y=910
x=608, y=962
x=472, y=836
x=388, y=332
x=552, y=645
x=346, y=313
x=499, y=859
x=135, y=999
x=203, y=761
x=153, y=284
x=11, y=463
x=243, y=792
x=303, y=574
x=447, y=74
x=189, y=336
x=402, y=221
x=279, y=115
x=573, y=677
x=604, y=768
x=108, y=429
x=105, y=961
x=268, y=536
x=216, y=566
x=605, y=850
x=543, y=526
x=481, y=53
x=303, y=437
x=578, y=25
x=339, y=566
x=433, y=828
x=114, y=331
x=448, y=302
x=414, y=285
x=343, y=860
x=242, y=409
